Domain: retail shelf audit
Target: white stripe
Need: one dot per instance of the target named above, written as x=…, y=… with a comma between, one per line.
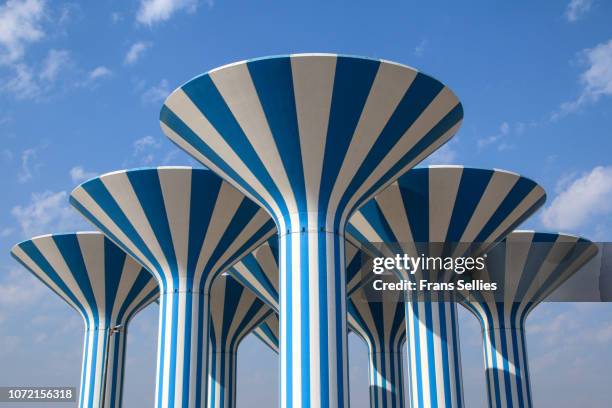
x=120, y=188
x=176, y=188
x=313, y=80
x=92, y=251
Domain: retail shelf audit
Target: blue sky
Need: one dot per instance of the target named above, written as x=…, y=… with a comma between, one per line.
x=81, y=85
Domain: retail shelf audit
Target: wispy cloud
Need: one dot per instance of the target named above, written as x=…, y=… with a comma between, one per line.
x=446, y=154
x=581, y=200
x=20, y=288
x=20, y=25
x=577, y=9
x=136, y=51
x=145, y=150
x=29, y=165
x=22, y=84
x=27, y=83
x=116, y=17
x=156, y=93
x=144, y=143
x=99, y=72
x=596, y=80
x=78, y=174
x=45, y=213
x=156, y=11
x=55, y=62
x=420, y=49
x=498, y=138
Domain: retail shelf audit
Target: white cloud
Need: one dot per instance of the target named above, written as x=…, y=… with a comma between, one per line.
x=596, y=80
x=145, y=151
x=78, y=174
x=576, y=9
x=144, y=143
x=420, y=49
x=99, y=72
x=23, y=84
x=581, y=201
x=29, y=165
x=56, y=61
x=156, y=93
x=19, y=288
x=136, y=51
x=444, y=155
x=155, y=11
x=20, y=25
x=116, y=17
x=47, y=212
x=504, y=129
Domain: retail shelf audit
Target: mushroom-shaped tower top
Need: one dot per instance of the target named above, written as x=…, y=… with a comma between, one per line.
x=526, y=267
x=311, y=134
x=104, y=284
x=310, y=138
x=448, y=204
x=185, y=225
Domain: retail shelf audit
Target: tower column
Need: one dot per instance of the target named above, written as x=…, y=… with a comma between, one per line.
x=434, y=363
x=506, y=367
x=95, y=354
x=115, y=368
x=313, y=320
x=181, y=357
x=222, y=379
x=386, y=379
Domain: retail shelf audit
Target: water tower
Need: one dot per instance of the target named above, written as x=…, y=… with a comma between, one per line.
x=310, y=138
x=527, y=267
x=107, y=287
x=186, y=226
x=451, y=205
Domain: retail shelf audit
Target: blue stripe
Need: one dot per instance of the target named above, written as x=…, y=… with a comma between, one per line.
x=417, y=97
x=414, y=190
x=352, y=84
x=471, y=190
x=70, y=250
x=147, y=187
x=516, y=195
x=274, y=85
x=205, y=95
